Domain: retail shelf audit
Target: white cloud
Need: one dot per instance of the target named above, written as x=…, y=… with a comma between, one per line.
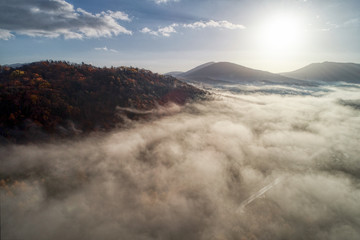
x=117, y=15
x=164, y=1
x=164, y=31
x=5, y=34
x=214, y=24
x=145, y=30
x=149, y=31
x=168, y=30
x=106, y=49
x=52, y=19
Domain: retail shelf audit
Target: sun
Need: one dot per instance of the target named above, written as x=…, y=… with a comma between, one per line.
x=281, y=33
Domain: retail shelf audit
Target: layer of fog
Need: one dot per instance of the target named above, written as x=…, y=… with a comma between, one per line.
x=239, y=166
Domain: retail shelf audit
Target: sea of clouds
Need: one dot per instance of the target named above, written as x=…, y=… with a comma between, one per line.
x=249, y=164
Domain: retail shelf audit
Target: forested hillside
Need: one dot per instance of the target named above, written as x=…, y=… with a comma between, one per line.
x=62, y=99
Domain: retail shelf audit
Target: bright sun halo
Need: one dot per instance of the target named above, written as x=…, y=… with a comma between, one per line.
x=281, y=33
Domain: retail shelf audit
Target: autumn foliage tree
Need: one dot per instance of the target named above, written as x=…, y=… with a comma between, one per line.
x=48, y=95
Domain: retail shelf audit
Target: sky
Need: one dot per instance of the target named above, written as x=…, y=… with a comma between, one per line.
x=177, y=35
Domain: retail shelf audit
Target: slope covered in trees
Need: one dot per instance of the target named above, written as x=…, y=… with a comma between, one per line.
x=57, y=98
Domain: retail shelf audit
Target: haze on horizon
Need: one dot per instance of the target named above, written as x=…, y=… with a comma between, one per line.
x=168, y=35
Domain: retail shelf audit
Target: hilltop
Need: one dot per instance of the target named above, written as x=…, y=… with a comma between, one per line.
x=328, y=72
x=223, y=73
x=61, y=99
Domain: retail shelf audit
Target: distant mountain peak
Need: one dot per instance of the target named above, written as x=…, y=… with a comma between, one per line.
x=16, y=65
x=231, y=73
x=198, y=68
x=328, y=72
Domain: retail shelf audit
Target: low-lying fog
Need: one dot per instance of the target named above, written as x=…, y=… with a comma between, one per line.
x=244, y=165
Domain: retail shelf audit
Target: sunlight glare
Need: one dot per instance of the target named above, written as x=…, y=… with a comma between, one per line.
x=281, y=33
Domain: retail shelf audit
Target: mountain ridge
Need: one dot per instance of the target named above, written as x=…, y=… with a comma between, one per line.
x=231, y=73
x=227, y=73
x=328, y=72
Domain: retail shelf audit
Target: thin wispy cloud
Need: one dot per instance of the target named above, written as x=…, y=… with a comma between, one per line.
x=352, y=23
x=58, y=18
x=165, y=1
x=106, y=49
x=214, y=24
x=168, y=30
